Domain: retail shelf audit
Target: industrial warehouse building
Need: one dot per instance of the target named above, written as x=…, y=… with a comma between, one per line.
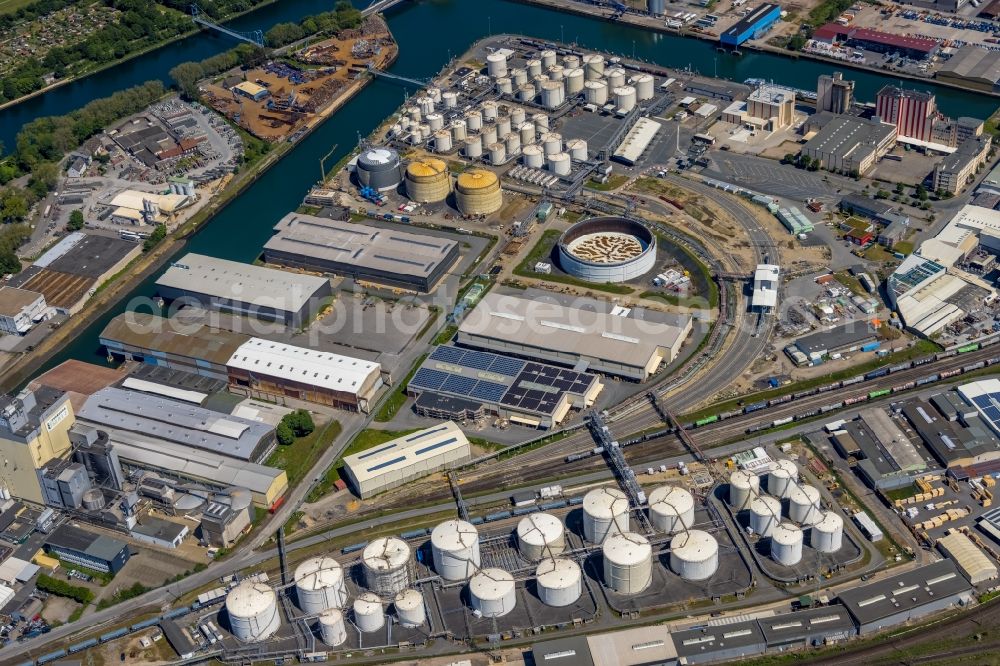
x=848, y=144
x=406, y=458
x=137, y=336
x=955, y=445
x=244, y=289
x=585, y=337
x=721, y=643
x=86, y=549
x=268, y=369
x=752, y=26
x=906, y=596
x=968, y=557
x=844, y=338
x=383, y=256
x=465, y=384
x=116, y=410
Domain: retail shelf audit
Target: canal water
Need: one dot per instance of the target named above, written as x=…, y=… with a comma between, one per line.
x=429, y=32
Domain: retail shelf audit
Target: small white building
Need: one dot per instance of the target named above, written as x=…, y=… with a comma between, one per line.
x=765, y=287
x=543, y=267
x=20, y=309
x=409, y=457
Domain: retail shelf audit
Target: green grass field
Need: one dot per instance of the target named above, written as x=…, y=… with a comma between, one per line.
x=10, y=6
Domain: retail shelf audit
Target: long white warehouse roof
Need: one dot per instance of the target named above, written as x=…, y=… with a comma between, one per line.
x=307, y=366
x=637, y=140
x=406, y=451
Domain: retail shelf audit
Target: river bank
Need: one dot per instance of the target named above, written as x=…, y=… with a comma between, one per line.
x=657, y=25
x=111, y=295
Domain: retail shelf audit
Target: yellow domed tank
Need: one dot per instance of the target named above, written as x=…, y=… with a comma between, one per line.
x=427, y=180
x=478, y=192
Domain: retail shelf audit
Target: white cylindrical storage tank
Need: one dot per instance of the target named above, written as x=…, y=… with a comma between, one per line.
x=671, y=509
x=532, y=156
x=368, y=613
x=489, y=135
x=552, y=94
x=319, y=584
x=540, y=535
x=571, y=61
x=450, y=99
x=534, y=67
x=624, y=98
x=593, y=66
x=498, y=153
x=474, y=121
x=332, y=629
x=541, y=121
x=253, y=611
x=803, y=505
x=574, y=81
x=765, y=514
x=455, y=549
x=555, y=73
x=496, y=65
x=459, y=131
x=379, y=168
x=560, y=164
x=577, y=149
x=694, y=555
x=426, y=105
x=552, y=143
x=386, y=563
x=490, y=111
x=605, y=512
x=539, y=80
x=827, y=535
x=434, y=93
x=410, y=611
x=517, y=116
x=414, y=114
x=519, y=76
x=473, y=146
x=526, y=93
x=596, y=92
x=644, y=85
x=743, y=487
x=492, y=592
x=442, y=141
x=435, y=121
x=505, y=85
x=425, y=131
x=548, y=57
x=628, y=562
x=782, y=478
x=527, y=133
x=616, y=77
x=513, y=143
x=786, y=544
x=503, y=126
x=559, y=581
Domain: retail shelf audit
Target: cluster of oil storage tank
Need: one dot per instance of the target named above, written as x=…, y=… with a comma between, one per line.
x=321, y=594
x=477, y=191
x=694, y=554
x=805, y=512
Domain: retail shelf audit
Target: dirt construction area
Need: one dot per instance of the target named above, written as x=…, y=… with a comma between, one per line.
x=277, y=99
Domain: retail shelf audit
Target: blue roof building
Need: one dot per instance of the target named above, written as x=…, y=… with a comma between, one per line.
x=752, y=26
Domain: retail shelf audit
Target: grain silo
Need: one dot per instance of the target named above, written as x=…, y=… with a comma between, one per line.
x=628, y=562
x=455, y=549
x=694, y=555
x=605, y=512
x=596, y=92
x=253, y=611
x=827, y=535
x=369, y=615
x=782, y=478
x=409, y=605
x=743, y=487
x=319, y=584
x=559, y=581
x=379, y=169
x=492, y=592
x=477, y=191
x=540, y=535
x=804, y=505
x=332, y=629
x=386, y=563
x=427, y=180
x=765, y=514
x=786, y=544
x=671, y=509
